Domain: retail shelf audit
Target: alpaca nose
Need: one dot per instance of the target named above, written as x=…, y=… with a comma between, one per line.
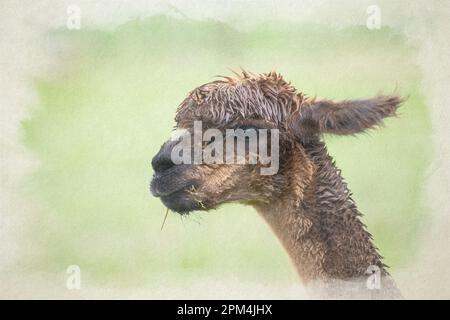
x=162, y=160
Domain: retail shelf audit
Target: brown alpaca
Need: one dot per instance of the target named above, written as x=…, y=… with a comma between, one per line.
x=307, y=203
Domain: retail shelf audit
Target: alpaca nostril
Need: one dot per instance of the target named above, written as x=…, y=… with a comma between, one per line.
x=162, y=162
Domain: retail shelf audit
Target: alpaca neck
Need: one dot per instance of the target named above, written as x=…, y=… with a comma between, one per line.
x=322, y=232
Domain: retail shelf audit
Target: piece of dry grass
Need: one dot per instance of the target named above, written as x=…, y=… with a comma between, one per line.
x=165, y=218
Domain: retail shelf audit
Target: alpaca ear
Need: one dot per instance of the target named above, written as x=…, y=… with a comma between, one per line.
x=344, y=117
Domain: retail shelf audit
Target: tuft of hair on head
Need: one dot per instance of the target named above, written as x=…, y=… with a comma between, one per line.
x=245, y=95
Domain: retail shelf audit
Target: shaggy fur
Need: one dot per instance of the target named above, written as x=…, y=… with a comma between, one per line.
x=307, y=203
x=268, y=97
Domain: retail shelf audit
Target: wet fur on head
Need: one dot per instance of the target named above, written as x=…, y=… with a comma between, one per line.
x=270, y=98
x=266, y=97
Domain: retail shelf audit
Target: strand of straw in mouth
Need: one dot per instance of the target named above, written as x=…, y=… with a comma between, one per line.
x=165, y=217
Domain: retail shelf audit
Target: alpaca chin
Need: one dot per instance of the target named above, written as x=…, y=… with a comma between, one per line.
x=181, y=202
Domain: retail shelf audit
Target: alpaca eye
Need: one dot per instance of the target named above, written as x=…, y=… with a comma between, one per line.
x=248, y=129
x=250, y=133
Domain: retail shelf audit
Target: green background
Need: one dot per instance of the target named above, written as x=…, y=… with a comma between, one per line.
x=103, y=116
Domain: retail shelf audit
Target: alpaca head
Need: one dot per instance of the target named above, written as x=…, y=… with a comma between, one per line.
x=264, y=109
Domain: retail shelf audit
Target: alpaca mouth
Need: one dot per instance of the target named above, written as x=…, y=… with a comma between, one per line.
x=163, y=186
x=175, y=194
x=181, y=202
x=171, y=180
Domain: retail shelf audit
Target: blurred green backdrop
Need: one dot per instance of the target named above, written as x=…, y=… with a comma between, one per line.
x=100, y=120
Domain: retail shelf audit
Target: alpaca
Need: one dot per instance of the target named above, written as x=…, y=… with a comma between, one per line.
x=306, y=203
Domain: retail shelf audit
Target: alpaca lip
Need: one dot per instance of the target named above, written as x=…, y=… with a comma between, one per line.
x=162, y=186
x=181, y=202
x=174, y=192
